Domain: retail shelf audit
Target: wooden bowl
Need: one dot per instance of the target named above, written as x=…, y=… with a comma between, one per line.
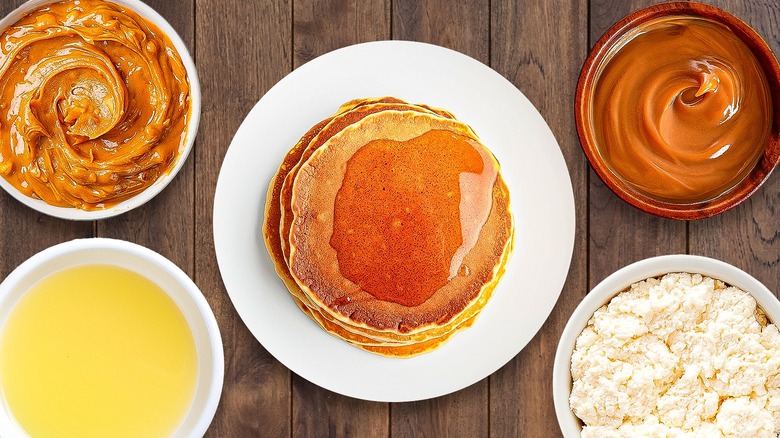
x=583, y=103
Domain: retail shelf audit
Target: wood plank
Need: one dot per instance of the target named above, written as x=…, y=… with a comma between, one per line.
x=242, y=49
x=619, y=233
x=320, y=27
x=462, y=26
x=460, y=414
x=749, y=235
x=7, y=6
x=27, y=231
x=625, y=233
x=318, y=412
x=529, y=39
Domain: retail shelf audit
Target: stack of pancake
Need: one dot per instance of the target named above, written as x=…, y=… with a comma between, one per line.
x=389, y=224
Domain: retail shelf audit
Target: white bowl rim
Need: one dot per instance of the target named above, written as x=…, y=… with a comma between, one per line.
x=570, y=425
x=150, y=192
x=212, y=393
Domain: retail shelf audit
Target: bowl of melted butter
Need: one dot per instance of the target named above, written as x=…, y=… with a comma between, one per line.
x=99, y=106
x=102, y=337
x=677, y=110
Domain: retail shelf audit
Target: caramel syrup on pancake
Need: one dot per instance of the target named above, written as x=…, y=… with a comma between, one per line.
x=408, y=213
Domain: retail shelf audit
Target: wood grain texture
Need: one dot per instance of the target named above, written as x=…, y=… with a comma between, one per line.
x=318, y=412
x=621, y=234
x=461, y=414
x=28, y=232
x=8, y=6
x=321, y=26
x=242, y=49
x=462, y=26
x=749, y=235
x=604, y=13
x=539, y=45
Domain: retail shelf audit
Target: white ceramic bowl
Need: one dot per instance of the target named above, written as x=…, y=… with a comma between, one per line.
x=161, y=271
x=571, y=426
x=192, y=126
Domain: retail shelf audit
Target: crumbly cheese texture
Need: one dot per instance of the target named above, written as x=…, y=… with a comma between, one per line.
x=680, y=356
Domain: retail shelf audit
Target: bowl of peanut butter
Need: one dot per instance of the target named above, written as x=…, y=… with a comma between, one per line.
x=99, y=106
x=677, y=110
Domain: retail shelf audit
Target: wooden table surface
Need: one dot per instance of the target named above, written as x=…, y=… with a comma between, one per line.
x=243, y=47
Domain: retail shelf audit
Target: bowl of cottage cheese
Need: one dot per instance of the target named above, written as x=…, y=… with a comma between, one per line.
x=671, y=346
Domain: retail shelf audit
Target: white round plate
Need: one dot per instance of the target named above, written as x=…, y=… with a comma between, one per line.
x=531, y=163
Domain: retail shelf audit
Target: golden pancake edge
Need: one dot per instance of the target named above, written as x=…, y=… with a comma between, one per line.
x=405, y=315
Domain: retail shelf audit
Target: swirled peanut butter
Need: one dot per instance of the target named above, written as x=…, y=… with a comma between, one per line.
x=681, y=109
x=94, y=104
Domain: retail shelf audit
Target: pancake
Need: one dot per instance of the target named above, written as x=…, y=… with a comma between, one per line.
x=308, y=181
x=355, y=112
x=276, y=221
x=394, y=343
x=314, y=262
x=345, y=120
x=435, y=330
x=273, y=213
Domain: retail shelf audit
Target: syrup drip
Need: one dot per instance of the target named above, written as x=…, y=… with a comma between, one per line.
x=408, y=213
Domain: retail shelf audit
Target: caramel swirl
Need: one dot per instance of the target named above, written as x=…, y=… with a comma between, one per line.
x=682, y=109
x=94, y=103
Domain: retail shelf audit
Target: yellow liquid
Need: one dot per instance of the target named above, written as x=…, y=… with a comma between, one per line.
x=97, y=351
